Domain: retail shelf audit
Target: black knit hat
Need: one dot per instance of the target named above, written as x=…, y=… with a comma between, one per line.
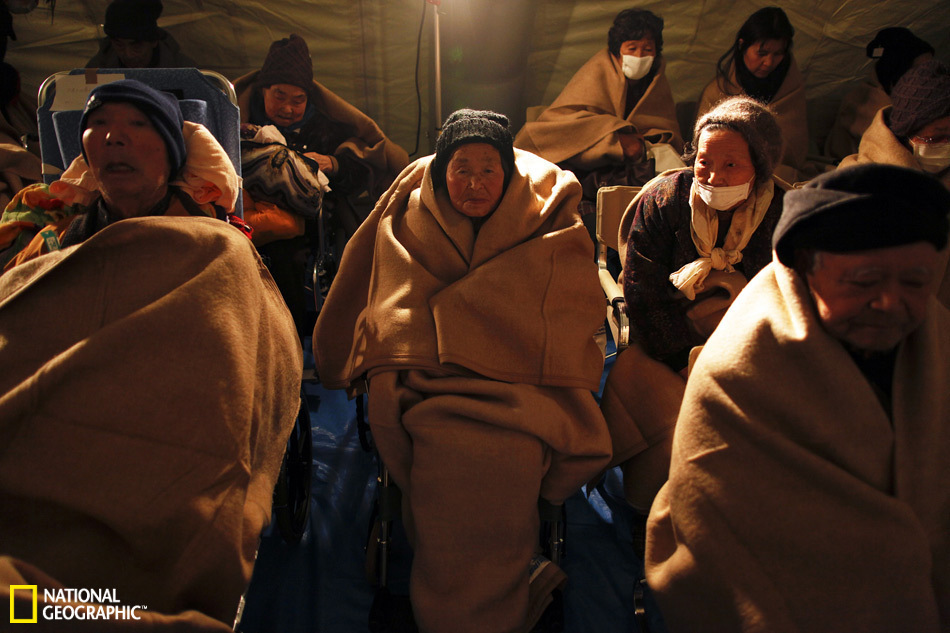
x=895, y=49
x=133, y=19
x=472, y=126
x=920, y=97
x=861, y=208
x=161, y=108
x=287, y=62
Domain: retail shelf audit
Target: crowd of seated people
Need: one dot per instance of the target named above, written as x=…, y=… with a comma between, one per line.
x=837, y=303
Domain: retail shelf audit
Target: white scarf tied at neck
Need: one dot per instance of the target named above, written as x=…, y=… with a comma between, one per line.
x=704, y=229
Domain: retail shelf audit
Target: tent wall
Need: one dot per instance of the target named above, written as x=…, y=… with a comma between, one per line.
x=505, y=55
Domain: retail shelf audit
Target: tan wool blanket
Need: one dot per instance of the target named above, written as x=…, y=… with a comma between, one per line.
x=794, y=502
x=581, y=126
x=151, y=378
x=788, y=107
x=368, y=143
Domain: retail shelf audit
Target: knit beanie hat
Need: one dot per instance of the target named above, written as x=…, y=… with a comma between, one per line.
x=472, y=126
x=133, y=19
x=864, y=207
x=755, y=123
x=161, y=108
x=895, y=49
x=287, y=62
x=920, y=97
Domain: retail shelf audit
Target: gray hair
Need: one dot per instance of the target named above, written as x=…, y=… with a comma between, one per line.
x=757, y=125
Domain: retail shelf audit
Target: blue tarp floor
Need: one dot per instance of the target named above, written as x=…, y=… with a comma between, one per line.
x=320, y=584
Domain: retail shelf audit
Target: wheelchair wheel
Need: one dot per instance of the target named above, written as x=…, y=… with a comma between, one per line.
x=292, y=493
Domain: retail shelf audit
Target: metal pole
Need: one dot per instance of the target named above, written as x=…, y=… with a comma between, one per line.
x=438, y=66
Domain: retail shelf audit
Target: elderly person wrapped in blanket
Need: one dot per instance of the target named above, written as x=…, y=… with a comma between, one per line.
x=689, y=236
x=151, y=378
x=469, y=301
x=808, y=488
x=914, y=132
x=760, y=64
x=139, y=158
x=304, y=146
x=615, y=108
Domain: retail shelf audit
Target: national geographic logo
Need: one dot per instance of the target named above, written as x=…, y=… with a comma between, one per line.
x=68, y=604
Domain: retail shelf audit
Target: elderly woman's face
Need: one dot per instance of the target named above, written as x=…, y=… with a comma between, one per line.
x=937, y=131
x=645, y=47
x=126, y=153
x=723, y=159
x=764, y=56
x=873, y=299
x=284, y=104
x=475, y=179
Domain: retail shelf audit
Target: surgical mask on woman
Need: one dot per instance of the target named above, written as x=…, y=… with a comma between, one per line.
x=932, y=154
x=723, y=198
x=635, y=68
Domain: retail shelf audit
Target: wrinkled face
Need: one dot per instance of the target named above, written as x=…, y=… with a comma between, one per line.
x=639, y=48
x=126, y=154
x=475, y=179
x=284, y=104
x=936, y=131
x=871, y=300
x=764, y=56
x=134, y=53
x=723, y=159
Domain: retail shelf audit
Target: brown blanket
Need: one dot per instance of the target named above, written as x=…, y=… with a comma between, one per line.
x=151, y=377
x=580, y=126
x=519, y=301
x=788, y=106
x=794, y=503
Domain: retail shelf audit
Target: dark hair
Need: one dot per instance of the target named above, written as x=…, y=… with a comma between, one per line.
x=768, y=23
x=895, y=49
x=635, y=24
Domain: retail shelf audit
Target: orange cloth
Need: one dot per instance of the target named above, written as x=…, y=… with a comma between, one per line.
x=151, y=378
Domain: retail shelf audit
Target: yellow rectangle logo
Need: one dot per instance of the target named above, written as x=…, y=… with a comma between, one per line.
x=15, y=620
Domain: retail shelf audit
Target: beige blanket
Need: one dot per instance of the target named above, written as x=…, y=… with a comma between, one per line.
x=151, y=377
x=788, y=106
x=519, y=301
x=368, y=142
x=794, y=503
x=580, y=126
x=858, y=108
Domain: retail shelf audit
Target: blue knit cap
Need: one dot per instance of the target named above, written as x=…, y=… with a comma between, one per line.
x=161, y=108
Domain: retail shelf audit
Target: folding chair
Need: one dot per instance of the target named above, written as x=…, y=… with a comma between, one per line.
x=611, y=204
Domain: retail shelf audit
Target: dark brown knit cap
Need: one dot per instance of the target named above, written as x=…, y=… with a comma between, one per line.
x=287, y=62
x=920, y=97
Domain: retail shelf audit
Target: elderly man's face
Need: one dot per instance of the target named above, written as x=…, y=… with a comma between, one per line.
x=284, y=104
x=872, y=299
x=126, y=154
x=475, y=179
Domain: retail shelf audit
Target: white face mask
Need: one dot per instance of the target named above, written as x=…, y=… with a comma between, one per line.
x=933, y=157
x=722, y=198
x=635, y=68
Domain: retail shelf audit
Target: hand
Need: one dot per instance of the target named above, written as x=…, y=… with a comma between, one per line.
x=632, y=146
x=325, y=163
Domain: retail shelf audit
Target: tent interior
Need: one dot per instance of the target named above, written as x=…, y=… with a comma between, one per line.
x=408, y=64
